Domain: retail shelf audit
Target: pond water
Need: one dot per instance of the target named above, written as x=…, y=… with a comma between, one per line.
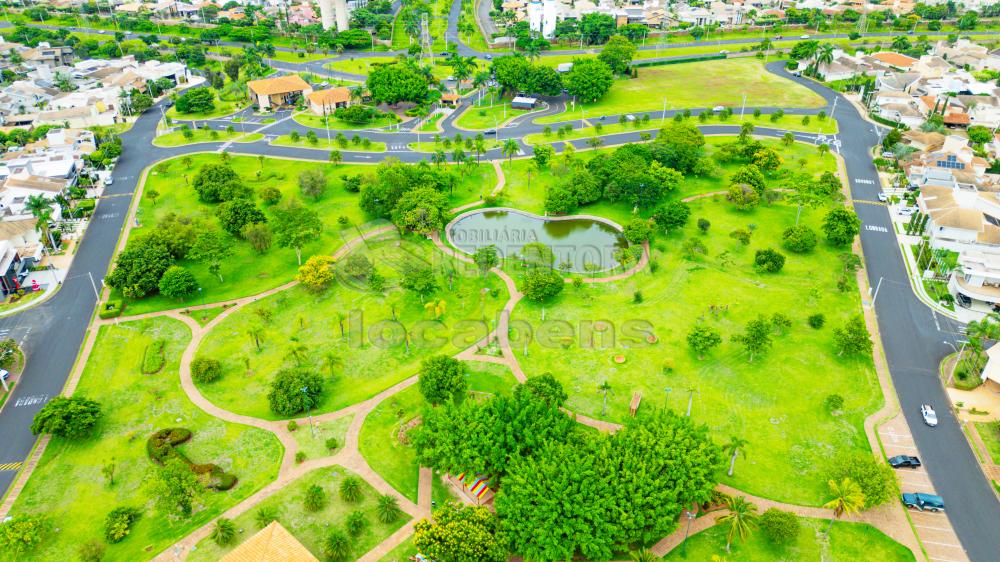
x=587, y=244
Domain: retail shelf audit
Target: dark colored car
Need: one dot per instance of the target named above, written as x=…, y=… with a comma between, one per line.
x=904, y=461
x=923, y=502
x=490, y=132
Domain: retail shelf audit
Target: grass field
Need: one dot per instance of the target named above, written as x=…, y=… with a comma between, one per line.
x=989, y=432
x=309, y=119
x=327, y=145
x=847, y=542
x=701, y=84
x=314, y=445
x=311, y=528
x=247, y=272
x=67, y=486
x=222, y=108
x=379, y=442
x=372, y=350
x=405, y=551
x=487, y=113
x=176, y=138
x=430, y=125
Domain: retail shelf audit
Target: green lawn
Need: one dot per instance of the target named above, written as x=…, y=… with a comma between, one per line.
x=989, y=432
x=379, y=442
x=222, y=108
x=372, y=350
x=67, y=485
x=700, y=84
x=405, y=551
x=176, y=138
x=314, y=445
x=363, y=65
x=205, y=315
x=309, y=119
x=490, y=112
x=530, y=196
x=776, y=402
x=311, y=528
x=430, y=125
x=327, y=145
x=847, y=542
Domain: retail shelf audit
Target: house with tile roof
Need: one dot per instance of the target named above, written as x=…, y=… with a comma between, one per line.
x=279, y=91
x=271, y=544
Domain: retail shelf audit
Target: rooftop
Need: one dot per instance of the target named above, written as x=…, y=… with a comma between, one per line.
x=278, y=85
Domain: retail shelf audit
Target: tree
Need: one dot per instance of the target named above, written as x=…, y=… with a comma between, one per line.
x=752, y=176
x=41, y=208
x=294, y=226
x=617, y=53
x=679, y=146
x=780, y=527
x=175, y=487
x=337, y=546
x=419, y=280
x=744, y=196
x=350, y=489
x=876, y=479
x=637, y=231
x=588, y=80
x=336, y=157
x=223, y=532
x=542, y=154
x=217, y=182
x=211, y=247
x=67, y=417
x=741, y=519
x=847, y=499
x=853, y=337
x=486, y=257
x=756, y=337
x=841, y=225
x=312, y=183
x=265, y=515
x=236, y=214
x=544, y=387
x=314, y=498
x=294, y=391
x=509, y=149
x=604, y=388
x=799, y=239
x=735, y=447
x=195, y=100
x=422, y=210
x=672, y=215
x=542, y=284
x=22, y=532
x=177, y=283
x=979, y=134
x=317, y=273
x=392, y=84
x=442, y=378
x=702, y=339
x=560, y=199
x=387, y=509
x=767, y=160
x=460, y=534
x=769, y=260
x=139, y=267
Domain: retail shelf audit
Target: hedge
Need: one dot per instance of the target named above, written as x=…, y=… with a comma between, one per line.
x=695, y=58
x=879, y=119
x=112, y=309
x=152, y=358
x=162, y=446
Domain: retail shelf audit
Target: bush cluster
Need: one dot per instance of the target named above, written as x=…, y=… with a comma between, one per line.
x=205, y=370
x=111, y=309
x=153, y=358
x=161, y=446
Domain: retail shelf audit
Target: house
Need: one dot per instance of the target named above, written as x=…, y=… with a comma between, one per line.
x=49, y=56
x=522, y=102
x=453, y=100
x=278, y=91
x=895, y=60
x=12, y=268
x=271, y=544
x=991, y=372
x=325, y=102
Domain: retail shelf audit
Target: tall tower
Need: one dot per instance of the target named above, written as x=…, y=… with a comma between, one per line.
x=425, y=38
x=334, y=12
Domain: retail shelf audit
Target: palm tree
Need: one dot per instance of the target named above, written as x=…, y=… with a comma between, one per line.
x=297, y=353
x=644, y=555
x=735, y=446
x=480, y=148
x=532, y=50
x=823, y=149
x=356, y=94
x=41, y=208
x=604, y=387
x=509, y=149
x=742, y=519
x=439, y=157
x=824, y=55
x=788, y=139
x=332, y=362
x=847, y=499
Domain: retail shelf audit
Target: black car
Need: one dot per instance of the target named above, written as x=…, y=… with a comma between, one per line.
x=904, y=461
x=490, y=132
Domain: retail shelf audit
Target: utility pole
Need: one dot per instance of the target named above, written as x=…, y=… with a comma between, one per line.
x=305, y=394
x=663, y=114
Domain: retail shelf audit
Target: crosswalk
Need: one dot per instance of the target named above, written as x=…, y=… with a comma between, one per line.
x=398, y=147
x=11, y=465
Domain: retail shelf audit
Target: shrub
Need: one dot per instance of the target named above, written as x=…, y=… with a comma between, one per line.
x=118, y=523
x=704, y=225
x=286, y=397
x=152, y=357
x=269, y=195
x=817, y=320
x=22, y=532
x=205, y=370
x=769, y=260
x=799, y=239
x=356, y=523
x=223, y=480
x=834, y=402
x=265, y=515
x=224, y=531
x=111, y=309
x=300, y=457
x=315, y=498
x=92, y=551
x=350, y=489
x=337, y=546
x=332, y=443
x=160, y=446
x=292, y=425
x=780, y=527
x=387, y=509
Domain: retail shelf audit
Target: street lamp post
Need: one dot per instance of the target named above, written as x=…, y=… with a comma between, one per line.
x=691, y=393
x=305, y=394
x=667, y=391
x=687, y=530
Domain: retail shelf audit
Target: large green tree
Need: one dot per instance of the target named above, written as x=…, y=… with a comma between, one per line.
x=294, y=391
x=588, y=80
x=679, y=146
x=69, y=417
x=139, y=267
x=442, y=378
x=841, y=225
x=236, y=214
x=618, y=54
x=175, y=487
x=461, y=534
x=422, y=210
x=295, y=225
x=395, y=83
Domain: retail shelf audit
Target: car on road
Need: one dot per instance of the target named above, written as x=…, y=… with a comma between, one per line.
x=719, y=108
x=930, y=416
x=489, y=57
x=904, y=461
x=804, y=37
x=923, y=502
x=883, y=197
x=490, y=132
x=907, y=211
x=724, y=52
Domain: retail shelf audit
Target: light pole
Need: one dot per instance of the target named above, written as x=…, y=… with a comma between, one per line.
x=305, y=395
x=663, y=114
x=691, y=393
x=667, y=391
x=687, y=531
x=202, y=296
x=958, y=358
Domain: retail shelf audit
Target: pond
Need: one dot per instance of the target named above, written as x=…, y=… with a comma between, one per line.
x=584, y=244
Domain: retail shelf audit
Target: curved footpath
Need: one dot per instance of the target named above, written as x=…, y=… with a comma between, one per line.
x=915, y=337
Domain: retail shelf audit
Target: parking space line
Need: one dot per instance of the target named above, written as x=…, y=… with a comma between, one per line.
x=942, y=559
x=933, y=528
x=949, y=545
x=897, y=446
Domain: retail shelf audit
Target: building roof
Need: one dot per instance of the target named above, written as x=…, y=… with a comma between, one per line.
x=331, y=96
x=450, y=97
x=278, y=85
x=13, y=228
x=957, y=119
x=271, y=544
x=894, y=59
x=36, y=183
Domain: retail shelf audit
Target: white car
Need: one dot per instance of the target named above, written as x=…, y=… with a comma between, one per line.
x=907, y=211
x=883, y=197
x=930, y=416
x=804, y=37
x=109, y=180
x=719, y=108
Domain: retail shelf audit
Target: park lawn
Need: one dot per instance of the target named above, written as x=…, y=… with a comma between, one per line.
x=405, y=551
x=310, y=119
x=397, y=461
x=371, y=347
x=205, y=315
x=775, y=402
x=528, y=195
x=786, y=122
x=430, y=125
x=490, y=112
x=699, y=84
x=314, y=446
x=361, y=65
x=327, y=145
x=222, y=108
x=431, y=146
x=67, y=485
x=989, y=432
x=299, y=57
x=176, y=138
x=847, y=542
x=311, y=528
